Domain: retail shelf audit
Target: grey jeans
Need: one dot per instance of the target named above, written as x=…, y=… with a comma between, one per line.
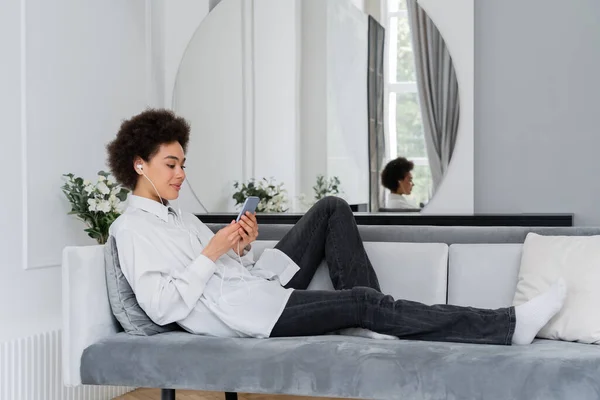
x=328, y=231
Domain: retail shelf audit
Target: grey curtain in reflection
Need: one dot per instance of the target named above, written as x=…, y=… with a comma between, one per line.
x=375, y=95
x=438, y=90
x=212, y=4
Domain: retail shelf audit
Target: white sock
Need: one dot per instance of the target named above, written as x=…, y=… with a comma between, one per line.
x=533, y=315
x=365, y=333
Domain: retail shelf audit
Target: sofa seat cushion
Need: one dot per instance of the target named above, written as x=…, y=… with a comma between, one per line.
x=350, y=367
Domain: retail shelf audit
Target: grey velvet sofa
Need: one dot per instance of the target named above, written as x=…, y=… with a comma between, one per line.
x=474, y=266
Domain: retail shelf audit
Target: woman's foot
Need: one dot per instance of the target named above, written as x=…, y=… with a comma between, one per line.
x=533, y=315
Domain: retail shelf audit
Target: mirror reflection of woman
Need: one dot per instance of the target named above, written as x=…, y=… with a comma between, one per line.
x=397, y=178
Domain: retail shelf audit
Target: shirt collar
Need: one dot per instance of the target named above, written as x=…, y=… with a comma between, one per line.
x=151, y=206
x=396, y=195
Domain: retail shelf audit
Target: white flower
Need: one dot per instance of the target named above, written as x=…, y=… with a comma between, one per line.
x=89, y=188
x=115, y=203
x=101, y=178
x=104, y=206
x=115, y=190
x=93, y=204
x=102, y=188
x=86, y=182
x=111, y=180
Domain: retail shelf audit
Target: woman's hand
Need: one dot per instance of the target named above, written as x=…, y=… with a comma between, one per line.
x=248, y=231
x=224, y=240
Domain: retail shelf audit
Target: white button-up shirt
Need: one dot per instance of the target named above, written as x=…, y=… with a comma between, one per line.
x=398, y=201
x=160, y=255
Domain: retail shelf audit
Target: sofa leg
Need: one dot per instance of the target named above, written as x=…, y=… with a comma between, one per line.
x=231, y=396
x=167, y=394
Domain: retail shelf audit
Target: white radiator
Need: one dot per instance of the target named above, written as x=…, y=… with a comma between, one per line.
x=30, y=369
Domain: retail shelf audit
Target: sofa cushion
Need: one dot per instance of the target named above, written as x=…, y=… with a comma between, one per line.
x=577, y=260
x=122, y=300
x=483, y=275
x=348, y=367
x=411, y=271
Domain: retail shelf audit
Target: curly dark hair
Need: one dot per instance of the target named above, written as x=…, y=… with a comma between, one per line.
x=141, y=136
x=396, y=170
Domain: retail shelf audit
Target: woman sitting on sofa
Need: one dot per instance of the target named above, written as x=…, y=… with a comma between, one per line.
x=211, y=284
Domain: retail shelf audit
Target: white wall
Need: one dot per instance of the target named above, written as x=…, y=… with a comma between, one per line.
x=155, y=57
x=28, y=299
x=537, y=87
x=69, y=74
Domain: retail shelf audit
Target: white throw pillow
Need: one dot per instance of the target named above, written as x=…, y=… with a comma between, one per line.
x=577, y=260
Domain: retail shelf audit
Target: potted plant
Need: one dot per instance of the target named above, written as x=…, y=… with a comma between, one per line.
x=321, y=189
x=96, y=204
x=325, y=188
x=273, y=197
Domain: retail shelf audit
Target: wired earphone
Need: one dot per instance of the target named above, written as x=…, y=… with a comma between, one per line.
x=140, y=167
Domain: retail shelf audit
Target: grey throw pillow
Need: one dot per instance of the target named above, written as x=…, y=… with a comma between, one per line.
x=122, y=300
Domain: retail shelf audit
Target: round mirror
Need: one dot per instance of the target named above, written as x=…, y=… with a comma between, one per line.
x=296, y=100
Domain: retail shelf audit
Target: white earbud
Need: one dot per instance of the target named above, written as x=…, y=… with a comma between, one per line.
x=141, y=168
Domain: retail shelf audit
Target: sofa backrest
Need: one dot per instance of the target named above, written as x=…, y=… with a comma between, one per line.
x=483, y=275
x=436, y=234
x=412, y=271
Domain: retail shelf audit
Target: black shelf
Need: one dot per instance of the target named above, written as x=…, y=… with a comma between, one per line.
x=365, y=218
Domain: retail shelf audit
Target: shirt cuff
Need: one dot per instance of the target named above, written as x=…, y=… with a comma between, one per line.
x=288, y=273
x=247, y=256
x=196, y=277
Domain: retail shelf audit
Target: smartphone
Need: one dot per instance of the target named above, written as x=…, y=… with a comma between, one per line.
x=249, y=205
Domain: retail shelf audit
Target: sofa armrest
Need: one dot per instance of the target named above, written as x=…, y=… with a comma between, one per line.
x=87, y=317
